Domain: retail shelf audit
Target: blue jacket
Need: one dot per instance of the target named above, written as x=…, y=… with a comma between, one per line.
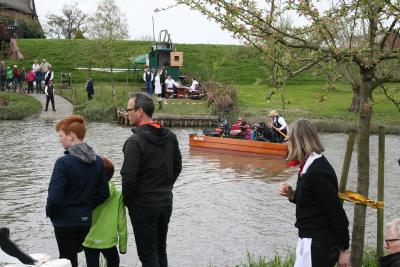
x=78, y=185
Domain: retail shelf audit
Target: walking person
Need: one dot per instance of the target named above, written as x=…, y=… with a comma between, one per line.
x=49, y=91
x=89, y=88
x=152, y=163
x=148, y=79
x=109, y=227
x=320, y=218
x=78, y=185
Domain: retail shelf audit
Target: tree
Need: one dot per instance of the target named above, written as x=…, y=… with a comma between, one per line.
x=67, y=24
x=108, y=25
x=358, y=32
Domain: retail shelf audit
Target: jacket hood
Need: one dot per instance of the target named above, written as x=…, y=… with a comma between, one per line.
x=392, y=260
x=83, y=152
x=157, y=136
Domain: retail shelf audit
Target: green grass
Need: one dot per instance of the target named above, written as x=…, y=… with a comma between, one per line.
x=18, y=106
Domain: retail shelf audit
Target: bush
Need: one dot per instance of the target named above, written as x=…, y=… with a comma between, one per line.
x=222, y=98
x=14, y=106
x=97, y=110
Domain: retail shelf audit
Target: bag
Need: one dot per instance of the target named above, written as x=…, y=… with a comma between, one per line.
x=34, y=83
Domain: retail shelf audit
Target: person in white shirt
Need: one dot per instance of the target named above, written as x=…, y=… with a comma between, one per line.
x=171, y=85
x=36, y=66
x=278, y=125
x=49, y=76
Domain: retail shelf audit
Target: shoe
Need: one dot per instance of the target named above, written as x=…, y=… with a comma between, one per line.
x=45, y=110
x=54, y=110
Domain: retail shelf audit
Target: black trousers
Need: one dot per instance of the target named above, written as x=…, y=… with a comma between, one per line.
x=93, y=255
x=48, y=99
x=69, y=241
x=150, y=226
x=324, y=252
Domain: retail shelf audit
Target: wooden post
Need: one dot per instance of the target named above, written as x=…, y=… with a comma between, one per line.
x=381, y=178
x=346, y=162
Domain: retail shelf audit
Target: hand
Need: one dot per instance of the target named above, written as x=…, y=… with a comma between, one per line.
x=286, y=190
x=344, y=258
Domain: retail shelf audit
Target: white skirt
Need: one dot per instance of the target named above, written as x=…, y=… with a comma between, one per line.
x=303, y=253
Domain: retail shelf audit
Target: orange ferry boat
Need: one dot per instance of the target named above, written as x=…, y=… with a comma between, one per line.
x=239, y=145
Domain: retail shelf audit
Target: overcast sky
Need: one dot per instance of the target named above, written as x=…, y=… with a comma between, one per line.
x=184, y=25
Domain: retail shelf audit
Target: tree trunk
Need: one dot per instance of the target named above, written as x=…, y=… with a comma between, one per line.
x=364, y=123
x=356, y=100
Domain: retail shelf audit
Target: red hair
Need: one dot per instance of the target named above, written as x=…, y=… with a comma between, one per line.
x=73, y=124
x=108, y=168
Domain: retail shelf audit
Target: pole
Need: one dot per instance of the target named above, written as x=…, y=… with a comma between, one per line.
x=381, y=178
x=154, y=35
x=347, y=161
x=279, y=131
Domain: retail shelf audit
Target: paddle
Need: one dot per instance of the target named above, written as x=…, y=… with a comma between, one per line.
x=279, y=131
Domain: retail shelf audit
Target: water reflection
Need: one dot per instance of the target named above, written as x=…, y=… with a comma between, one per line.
x=224, y=205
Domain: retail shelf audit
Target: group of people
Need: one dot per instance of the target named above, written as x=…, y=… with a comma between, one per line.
x=16, y=78
x=86, y=210
x=164, y=85
x=88, y=213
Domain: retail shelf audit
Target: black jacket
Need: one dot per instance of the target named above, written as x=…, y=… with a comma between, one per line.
x=319, y=212
x=152, y=163
x=392, y=260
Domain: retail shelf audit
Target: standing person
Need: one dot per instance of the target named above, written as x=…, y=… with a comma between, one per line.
x=278, y=125
x=152, y=163
x=163, y=77
x=49, y=76
x=158, y=88
x=39, y=79
x=77, y=186
x=392, y=244
x=320, y=217
x=49, y=91
x=148, y=79
x=35, y=66
x=16, y=78
x=9, y=78
x=22, y=79
x=3, y=75
x=108, y=228
x=31, y=76
x=89, y=88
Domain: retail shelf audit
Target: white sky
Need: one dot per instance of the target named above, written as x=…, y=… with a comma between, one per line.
x=184, y=25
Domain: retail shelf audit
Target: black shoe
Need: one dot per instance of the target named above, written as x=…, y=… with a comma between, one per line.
x=54, y=110
x=45, y=110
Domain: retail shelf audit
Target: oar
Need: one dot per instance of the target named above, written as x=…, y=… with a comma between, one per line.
x=279, y=131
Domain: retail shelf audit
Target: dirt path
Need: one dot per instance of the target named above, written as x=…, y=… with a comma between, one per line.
x=63, y=107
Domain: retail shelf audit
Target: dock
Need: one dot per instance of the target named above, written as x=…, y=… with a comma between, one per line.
x=174, y=120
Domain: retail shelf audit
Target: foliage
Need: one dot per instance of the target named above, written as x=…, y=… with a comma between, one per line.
x=221, y=98
x=97, y=110
x=66, y=25
x=108, y=22
x=17, y=107
x=30, y=29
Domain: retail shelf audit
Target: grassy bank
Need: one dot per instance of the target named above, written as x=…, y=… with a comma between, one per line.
x=15, y=106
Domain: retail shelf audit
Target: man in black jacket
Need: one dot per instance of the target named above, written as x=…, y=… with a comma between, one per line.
x=152, y=163
x=392, y=244
x=49, y=91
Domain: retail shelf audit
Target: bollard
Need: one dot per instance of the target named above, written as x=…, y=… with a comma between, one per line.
x=381, y=178
x=347, y=161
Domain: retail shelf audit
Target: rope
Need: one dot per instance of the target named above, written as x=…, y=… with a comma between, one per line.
x=358, y=198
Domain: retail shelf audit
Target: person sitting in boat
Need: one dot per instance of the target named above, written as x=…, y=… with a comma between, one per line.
x=241, y=129
x=278, y=125
x=171, y=86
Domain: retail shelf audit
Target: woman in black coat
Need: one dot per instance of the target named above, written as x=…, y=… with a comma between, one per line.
x=320, y=218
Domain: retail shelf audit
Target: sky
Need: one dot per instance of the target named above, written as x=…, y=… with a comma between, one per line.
x=183, y=24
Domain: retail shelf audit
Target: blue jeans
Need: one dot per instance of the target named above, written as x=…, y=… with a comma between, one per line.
x=149, y=88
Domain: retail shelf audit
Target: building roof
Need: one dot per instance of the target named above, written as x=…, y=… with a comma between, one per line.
x=25, y=6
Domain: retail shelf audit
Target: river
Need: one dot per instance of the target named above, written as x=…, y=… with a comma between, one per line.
x=224, y=206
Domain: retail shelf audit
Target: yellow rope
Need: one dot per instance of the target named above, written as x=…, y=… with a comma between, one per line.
x=358, y=198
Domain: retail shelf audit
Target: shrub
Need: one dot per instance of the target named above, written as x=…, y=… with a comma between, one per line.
x=97, y=111
x=222, y=98
x=14, y=106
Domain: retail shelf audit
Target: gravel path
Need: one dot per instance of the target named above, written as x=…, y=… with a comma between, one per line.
x=63, y=107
